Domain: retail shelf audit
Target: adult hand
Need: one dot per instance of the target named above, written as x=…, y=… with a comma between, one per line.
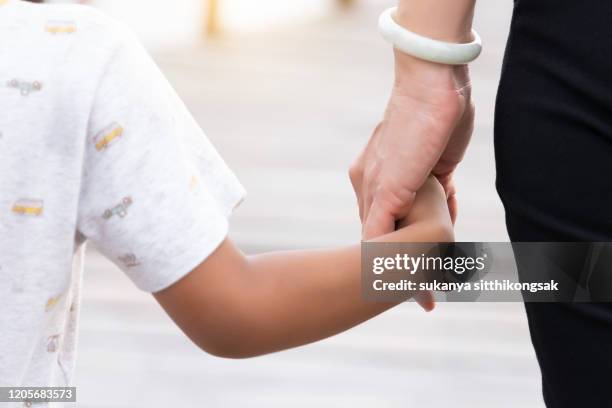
x=426, y=129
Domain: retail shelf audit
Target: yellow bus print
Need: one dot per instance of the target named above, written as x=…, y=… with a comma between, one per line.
x=29, y=207
x=60, y=27
x=194, y=182
x=107, y=136
x=52, y=302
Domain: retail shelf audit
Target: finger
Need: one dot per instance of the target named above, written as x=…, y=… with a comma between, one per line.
x=356, y=177
x=367, y=195
x=367, y=207
x=378, y=222
x=451, y=195
x=447, y=183
x=426, y=300
x=370, y=172
x=453, y=208
x=361, y=209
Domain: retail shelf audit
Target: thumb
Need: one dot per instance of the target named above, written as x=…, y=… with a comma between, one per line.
x=378, y=223
x=426, y=300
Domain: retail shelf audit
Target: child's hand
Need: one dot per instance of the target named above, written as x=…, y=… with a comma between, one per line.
x=430, y=208
x=431, y=211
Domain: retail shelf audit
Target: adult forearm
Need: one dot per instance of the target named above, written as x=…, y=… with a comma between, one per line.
x=427, y=123
x=446, y=20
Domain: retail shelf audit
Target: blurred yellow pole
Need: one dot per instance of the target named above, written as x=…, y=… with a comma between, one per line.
x=212, y=25
x=346, y=3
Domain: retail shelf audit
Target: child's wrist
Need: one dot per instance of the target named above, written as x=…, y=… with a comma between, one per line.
x=430, y=230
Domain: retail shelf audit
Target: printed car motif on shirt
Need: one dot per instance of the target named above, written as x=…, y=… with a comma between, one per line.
x=106, y=137
x=129, y=260
x=24, y=87
x=106, y=172
x=194, y=183
x=120, y=209
x=52, y=302
x=53, y=343
x=60, y=27
x=28, y=207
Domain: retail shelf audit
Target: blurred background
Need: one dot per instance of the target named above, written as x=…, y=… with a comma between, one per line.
x=289, y=92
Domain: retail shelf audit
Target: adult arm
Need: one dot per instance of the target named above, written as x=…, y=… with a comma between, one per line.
x=427, y=124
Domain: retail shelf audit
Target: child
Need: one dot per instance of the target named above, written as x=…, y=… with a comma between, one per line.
x=95, y=146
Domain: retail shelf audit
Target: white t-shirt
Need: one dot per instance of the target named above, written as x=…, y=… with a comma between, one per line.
x=94, y=146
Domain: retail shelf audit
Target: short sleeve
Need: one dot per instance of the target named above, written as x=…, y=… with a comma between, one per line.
x=155, y=194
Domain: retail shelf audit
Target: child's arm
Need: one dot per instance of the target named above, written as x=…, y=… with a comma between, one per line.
x=236, y=306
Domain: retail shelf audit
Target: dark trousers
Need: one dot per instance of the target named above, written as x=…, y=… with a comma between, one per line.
x=553, y=140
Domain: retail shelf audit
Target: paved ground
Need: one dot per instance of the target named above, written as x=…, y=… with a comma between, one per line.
x=289, y=110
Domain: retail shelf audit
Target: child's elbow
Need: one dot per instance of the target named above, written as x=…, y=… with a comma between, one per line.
x=231, y=353
x=228, y=332
x=229, y=349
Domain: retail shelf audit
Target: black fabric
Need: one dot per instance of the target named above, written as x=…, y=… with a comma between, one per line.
x=553, y=140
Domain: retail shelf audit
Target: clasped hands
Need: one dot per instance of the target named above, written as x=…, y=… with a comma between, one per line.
x=423, y=136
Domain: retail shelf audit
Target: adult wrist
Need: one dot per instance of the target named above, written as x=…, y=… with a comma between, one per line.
x=413, y=72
